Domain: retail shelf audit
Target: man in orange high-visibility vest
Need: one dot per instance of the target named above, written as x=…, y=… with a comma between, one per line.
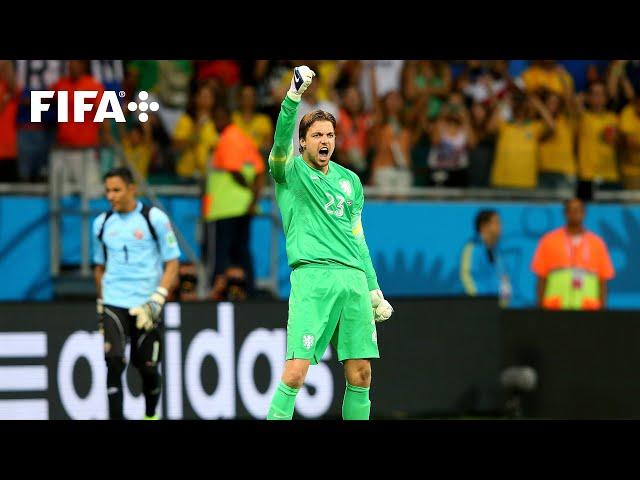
x=229, y=204
x=572, y=265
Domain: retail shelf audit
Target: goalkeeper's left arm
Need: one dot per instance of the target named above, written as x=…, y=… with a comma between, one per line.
x=382, y=309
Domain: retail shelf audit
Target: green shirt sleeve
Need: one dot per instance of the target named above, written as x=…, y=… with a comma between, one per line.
x=282, y=150
x=358, y=232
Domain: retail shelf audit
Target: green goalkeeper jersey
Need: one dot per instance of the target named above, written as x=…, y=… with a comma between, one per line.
x=321, y=214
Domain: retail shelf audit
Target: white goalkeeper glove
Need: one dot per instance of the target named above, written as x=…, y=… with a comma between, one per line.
x=382, y=309
x=302, y=77
x=148, y=314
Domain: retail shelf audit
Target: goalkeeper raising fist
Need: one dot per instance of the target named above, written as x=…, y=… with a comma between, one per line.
x=131, y=243
x=335, y=295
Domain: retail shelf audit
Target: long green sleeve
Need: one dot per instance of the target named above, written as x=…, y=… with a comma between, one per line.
x=358, y=232
x=282, y=150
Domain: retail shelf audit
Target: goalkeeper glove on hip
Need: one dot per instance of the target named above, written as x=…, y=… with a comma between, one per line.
x=302, y=77
x=148, y=314
x=382, y=309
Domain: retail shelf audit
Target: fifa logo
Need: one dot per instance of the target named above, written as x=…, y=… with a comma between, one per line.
x=109, y=106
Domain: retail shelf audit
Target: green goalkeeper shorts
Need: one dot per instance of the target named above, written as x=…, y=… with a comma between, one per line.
x=330, y=304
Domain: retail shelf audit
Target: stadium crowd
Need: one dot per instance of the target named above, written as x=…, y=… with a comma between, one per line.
x=401, y=123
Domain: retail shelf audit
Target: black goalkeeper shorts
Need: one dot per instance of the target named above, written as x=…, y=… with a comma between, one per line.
x=146, y=346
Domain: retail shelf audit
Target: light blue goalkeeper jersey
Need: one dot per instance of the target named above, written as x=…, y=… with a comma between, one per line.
x=133, y=258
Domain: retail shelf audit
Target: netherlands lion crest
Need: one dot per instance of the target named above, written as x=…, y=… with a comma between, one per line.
x=345, y=186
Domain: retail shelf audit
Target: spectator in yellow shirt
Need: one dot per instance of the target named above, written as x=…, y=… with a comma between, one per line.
x=557, y=160
x=597, y=139
x=195, y=135
x=137, y=145
x=257, y=125
x=328, y=71
x=516, y=158
x=630, y=129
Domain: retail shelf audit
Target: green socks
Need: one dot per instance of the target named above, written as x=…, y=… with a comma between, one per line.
x=356, y=404
x=282, y=403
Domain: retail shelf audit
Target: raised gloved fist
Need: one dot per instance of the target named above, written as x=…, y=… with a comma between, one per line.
x=302, y=77
x=148, y=314
x=100, y=314
x=382, y=309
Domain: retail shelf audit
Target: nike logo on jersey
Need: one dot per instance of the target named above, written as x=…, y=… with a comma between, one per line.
x=314, y=177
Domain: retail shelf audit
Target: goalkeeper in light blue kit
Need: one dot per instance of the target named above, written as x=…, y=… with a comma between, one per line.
x=335, y=296
x=136, y=259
